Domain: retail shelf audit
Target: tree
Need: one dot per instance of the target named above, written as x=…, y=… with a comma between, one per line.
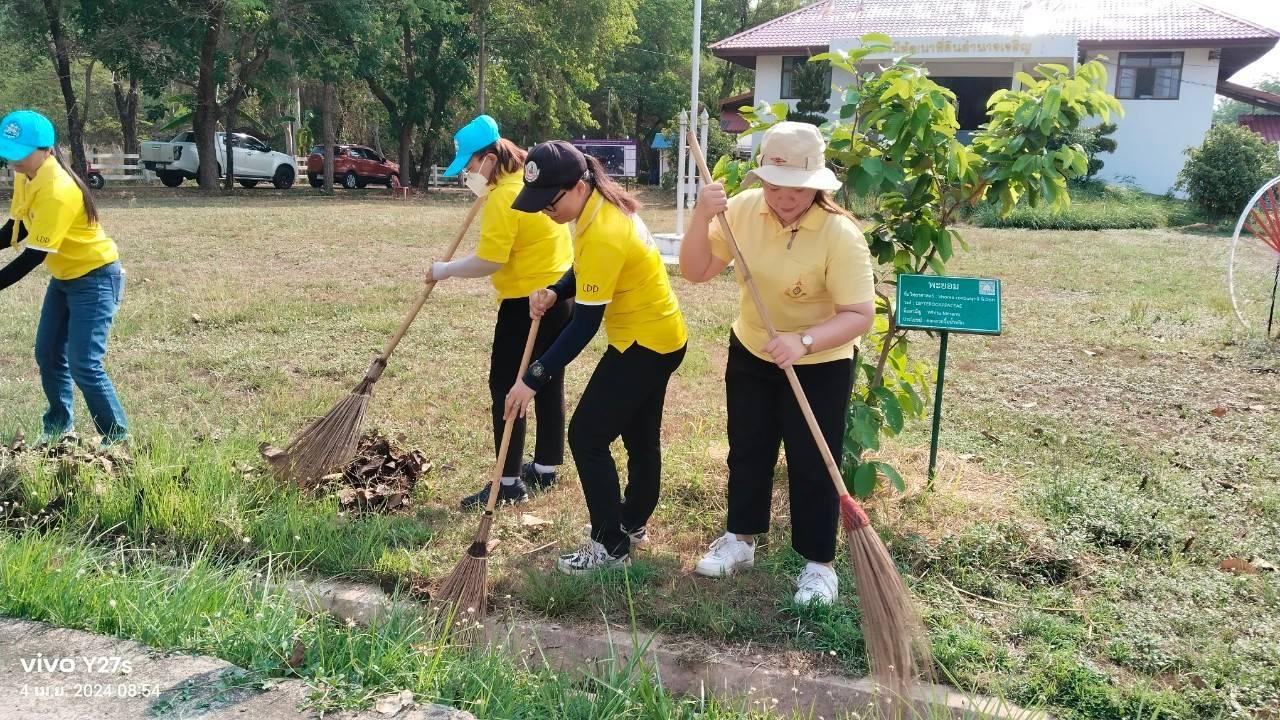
x=1229, y=111
x=222, y=44
x=543, y=65
x=724, y=18
x=1095, y=140
x=895, y=141
x=811, y=83
x=52, y=28
x=648, y=80
x=1227, y=169
x=416, y=62
x=127, y=110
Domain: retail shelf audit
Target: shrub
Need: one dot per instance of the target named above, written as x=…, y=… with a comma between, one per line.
x=1222, y=174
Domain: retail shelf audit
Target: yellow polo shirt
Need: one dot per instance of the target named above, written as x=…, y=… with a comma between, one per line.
x=616, y=262
x=51, y=207
x=533, y=249
x=802, y=278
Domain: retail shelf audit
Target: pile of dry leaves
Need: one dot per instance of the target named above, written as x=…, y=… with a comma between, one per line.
x=380, y=479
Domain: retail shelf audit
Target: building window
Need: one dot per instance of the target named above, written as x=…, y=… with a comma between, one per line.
x=789, y=65
x=1149, y=76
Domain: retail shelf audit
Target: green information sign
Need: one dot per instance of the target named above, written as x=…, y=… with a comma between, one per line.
x=951, y=304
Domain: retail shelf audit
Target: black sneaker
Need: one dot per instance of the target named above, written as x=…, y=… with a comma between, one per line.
x=536, y=480
x=507, y=494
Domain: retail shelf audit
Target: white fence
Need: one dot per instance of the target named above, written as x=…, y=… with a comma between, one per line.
x=118, y=167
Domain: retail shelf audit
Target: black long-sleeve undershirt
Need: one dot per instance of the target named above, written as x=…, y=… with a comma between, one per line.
x=568, y=345
x=7, y=238
x=21, y=266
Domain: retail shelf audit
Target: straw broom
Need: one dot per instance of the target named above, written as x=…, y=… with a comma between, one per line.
x=330, y=441
x=897, y=648
x=461, y=603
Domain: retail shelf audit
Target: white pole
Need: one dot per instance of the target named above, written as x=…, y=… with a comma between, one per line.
x=680, y=172
x=695, y=76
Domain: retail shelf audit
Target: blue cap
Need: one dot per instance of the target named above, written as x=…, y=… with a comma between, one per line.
x=471, y=139
x=22, y=132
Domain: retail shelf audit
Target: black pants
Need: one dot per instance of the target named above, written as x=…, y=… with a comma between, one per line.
x=624, y=397
x=509, y=336
x=762, y=414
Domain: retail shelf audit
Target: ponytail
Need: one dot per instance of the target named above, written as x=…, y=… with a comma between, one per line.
x=609, y=189
x=90, y=208
x=510, y=158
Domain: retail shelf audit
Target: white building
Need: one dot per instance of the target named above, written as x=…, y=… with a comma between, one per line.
x=1166, y=59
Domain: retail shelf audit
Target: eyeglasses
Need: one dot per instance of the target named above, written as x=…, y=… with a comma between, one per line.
x=552, y=205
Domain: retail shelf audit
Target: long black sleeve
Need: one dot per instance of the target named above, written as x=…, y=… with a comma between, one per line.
x=571, y=341
x=7, y=233
x=567, y=286
x=20, y=266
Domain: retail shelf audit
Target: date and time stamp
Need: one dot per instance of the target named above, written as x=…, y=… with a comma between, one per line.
x=80, y=676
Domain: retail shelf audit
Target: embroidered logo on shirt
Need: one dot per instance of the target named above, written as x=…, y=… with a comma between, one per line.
x=797, y=289
x=12, y=130
x=531, y=172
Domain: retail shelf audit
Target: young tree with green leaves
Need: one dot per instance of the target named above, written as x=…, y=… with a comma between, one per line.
x=895, y=141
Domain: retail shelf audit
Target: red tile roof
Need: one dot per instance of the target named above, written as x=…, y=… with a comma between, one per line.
x=1268, y=126
x=1094, y=22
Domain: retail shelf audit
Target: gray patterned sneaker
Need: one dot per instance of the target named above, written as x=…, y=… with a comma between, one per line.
x=589, y=558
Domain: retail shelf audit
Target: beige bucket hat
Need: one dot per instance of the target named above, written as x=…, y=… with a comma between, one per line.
x=791, y=155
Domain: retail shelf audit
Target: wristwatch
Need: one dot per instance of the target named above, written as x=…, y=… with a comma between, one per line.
x=537, y=370
x=807, y=341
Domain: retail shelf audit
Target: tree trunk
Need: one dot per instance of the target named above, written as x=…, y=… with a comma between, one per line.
x=326, y=116
x=205, y=120
x=424, y=166
x=127, y=110
x=405, y=156
x=62, y=63
x=88, y=93
x=229, y=145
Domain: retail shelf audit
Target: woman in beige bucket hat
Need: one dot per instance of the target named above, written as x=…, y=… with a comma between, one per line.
x=811, y=263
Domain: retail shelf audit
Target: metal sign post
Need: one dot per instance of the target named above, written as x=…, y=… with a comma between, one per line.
x=947, y=304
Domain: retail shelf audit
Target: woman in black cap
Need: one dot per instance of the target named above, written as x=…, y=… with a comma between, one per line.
x=617, y=279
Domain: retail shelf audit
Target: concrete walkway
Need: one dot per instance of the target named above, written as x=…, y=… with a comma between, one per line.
x=49, y=673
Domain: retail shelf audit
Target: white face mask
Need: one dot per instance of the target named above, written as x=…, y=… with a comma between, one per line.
x=476, y=183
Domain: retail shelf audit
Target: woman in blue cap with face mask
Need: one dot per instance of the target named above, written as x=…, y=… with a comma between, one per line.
x=54, y=216
x=519, y=253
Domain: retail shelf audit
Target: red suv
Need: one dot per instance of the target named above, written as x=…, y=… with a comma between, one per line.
x=354, y=166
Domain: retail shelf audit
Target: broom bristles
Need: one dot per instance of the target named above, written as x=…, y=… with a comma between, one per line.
x=462, y=602
x=897, y=647
x=327, y=444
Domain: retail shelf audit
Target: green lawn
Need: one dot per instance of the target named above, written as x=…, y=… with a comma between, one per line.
x=1101, y=458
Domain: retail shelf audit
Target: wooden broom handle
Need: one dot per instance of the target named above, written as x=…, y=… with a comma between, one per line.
x=832, y=468
x=425, y=292
x=508, y=428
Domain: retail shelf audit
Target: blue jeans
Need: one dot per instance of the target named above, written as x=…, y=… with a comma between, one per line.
x=70, y=343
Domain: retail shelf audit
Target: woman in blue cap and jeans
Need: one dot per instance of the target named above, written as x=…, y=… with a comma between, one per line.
x=54, y=215
x=519, y=253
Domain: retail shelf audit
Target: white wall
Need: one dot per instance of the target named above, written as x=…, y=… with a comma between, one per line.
x=1152, y=134
x=1150, y=138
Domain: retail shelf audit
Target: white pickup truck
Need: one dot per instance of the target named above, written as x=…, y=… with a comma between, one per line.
x=177, y=160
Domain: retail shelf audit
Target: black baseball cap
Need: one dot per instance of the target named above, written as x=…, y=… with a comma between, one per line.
x=549, y=168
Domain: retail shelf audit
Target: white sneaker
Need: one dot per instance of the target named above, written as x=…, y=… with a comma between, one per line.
x=589, y=558
x=818, y=584
x=726, y=555
x=638, y=537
